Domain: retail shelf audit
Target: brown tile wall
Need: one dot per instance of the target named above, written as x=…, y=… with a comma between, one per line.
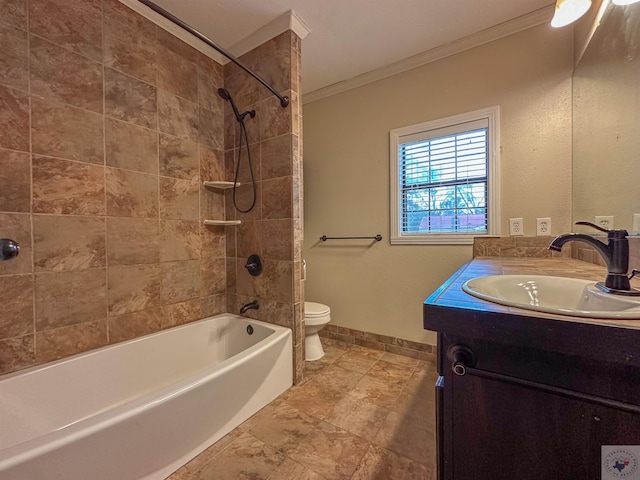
x=537, y=247
x=584, y=252
x=534, y=247
x=273, y=229
x=108, y=125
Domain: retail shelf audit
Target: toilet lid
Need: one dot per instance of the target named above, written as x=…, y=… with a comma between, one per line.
x=312, y=309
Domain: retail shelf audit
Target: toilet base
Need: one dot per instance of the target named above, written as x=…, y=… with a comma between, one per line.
x=313, y=347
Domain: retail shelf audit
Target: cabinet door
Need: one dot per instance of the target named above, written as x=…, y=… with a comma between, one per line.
x=501, y=430
x=440, y=427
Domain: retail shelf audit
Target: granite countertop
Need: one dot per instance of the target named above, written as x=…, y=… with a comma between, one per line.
x=451, y=296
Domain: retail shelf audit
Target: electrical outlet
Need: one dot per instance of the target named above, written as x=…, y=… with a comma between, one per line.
x=543, y=227
x=516, y=227
x=636, y=223
x=604, y=221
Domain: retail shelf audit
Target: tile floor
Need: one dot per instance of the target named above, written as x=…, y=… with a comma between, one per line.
x=361, y=414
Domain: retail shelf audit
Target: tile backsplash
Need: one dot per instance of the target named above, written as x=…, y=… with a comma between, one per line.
x=586, y=253
x=108, y=126
x=537, y=247
x=515, y=247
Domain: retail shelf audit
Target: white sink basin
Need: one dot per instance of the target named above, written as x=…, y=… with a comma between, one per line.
x=564, y=296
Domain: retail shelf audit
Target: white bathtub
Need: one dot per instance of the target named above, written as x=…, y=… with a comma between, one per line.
x=142, y=408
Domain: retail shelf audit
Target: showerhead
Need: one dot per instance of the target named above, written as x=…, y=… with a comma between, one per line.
x=243, y=135
x=227, y=96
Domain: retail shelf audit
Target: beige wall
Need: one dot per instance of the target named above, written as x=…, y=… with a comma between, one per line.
x=606, y=101
x=379, y=288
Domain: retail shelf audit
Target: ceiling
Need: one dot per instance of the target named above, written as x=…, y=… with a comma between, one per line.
x=352, y=37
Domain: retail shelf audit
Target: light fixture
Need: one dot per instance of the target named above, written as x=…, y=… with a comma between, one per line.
x=568, y=11
x=625, y=2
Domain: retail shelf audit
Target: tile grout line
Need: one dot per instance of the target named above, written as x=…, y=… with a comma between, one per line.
x=31, y=224
x=104, y=180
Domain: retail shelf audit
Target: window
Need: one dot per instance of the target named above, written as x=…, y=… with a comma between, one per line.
x=444, y=179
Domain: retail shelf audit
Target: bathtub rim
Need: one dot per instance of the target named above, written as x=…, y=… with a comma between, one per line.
x=95, y=351
x=74, y=431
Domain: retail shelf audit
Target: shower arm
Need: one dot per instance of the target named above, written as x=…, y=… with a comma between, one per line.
x=284, y=101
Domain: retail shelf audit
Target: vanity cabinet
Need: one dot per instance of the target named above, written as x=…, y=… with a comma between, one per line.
x=525, y=396
x=521, y=412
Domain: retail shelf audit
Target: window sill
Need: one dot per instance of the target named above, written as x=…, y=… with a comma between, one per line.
x=435, y=239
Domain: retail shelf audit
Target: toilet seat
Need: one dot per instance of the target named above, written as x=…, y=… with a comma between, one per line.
x=315, y=310
x=316, y=313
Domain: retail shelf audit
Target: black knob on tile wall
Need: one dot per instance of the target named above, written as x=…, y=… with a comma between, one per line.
x=8, y=249
x=254, y=265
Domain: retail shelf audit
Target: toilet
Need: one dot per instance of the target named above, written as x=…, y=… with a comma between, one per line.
x=316, y=316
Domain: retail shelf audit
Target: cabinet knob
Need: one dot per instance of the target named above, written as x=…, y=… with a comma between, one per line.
x=461, y=357
x=459, y=369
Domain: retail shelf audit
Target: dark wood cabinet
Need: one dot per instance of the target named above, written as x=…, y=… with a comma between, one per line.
x=497, y=426
x=529, y=400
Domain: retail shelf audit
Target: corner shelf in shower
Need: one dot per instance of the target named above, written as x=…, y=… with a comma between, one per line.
x=221, y=185
x=222, y=222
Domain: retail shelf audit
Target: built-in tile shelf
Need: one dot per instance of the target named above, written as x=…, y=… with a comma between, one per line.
x=222, y=185
x=222, y=222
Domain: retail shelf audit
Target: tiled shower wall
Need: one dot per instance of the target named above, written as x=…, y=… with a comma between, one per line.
x=273, y=229
x=108, y=125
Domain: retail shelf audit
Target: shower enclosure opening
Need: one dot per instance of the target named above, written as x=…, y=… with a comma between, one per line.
x=240, y=117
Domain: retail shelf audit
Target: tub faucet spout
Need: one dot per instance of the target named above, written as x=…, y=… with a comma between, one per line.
x=615, y=254
x=250, y=306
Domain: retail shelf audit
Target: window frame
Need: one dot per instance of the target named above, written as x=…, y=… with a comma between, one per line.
x=492, y=116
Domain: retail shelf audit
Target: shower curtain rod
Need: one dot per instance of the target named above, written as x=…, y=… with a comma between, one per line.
x=284, y=101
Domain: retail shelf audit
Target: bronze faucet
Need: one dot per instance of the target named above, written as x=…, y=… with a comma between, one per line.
x=615, y=254
x=250, y=306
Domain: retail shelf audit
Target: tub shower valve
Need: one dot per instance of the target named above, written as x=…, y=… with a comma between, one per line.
x=8, y=249
x=254, y=265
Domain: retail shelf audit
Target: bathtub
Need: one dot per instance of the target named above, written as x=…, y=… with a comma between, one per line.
x=140, y=409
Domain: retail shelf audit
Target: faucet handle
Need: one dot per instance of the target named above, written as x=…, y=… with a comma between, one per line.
x=597, y=227
x=618, y=234
x=254, y=265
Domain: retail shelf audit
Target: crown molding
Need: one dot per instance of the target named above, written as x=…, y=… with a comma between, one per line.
x=524, y=22
x=286, y=21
